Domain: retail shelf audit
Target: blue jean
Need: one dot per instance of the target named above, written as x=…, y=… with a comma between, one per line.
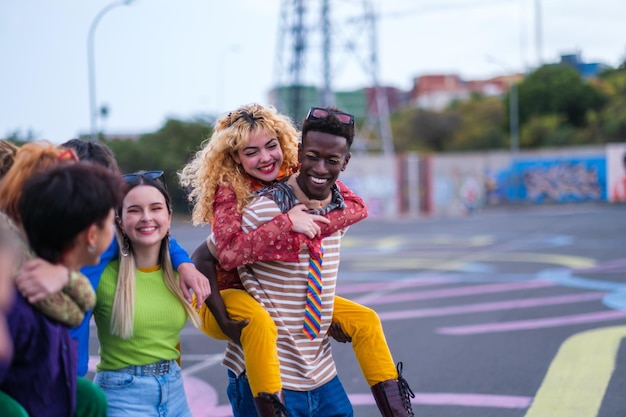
x=329, y=400
x=240, y=395
x=144, y=395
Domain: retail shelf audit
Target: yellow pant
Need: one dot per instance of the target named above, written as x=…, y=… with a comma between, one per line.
x=258, y=339
x=363, y=325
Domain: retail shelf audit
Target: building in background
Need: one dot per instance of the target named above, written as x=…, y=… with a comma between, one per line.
x=437, y=91
x=585, y=69
x=429, y=91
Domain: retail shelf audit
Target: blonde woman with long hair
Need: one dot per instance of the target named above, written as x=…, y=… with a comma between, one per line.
x=141, y=310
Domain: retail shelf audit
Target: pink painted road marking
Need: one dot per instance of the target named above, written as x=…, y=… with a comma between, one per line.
x=387, y=286
x=494, y=306
x=454, y=399
x=534, y=324
x=203, y=399
x=454, y=292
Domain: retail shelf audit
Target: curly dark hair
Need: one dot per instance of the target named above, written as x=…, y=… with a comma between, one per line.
x=330, y=125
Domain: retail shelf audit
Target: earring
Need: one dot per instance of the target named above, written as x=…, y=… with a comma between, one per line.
x=125, y=249
x=91, y=248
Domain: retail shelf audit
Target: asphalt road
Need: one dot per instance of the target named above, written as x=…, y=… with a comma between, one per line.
x=517, y=312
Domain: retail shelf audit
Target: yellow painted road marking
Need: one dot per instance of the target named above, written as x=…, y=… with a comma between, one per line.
x=577, y=378
x=545, y=258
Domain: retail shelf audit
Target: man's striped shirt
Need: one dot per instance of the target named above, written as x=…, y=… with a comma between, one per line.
x=281, y=288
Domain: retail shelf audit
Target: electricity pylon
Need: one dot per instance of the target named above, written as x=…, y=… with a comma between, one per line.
x=320, y=41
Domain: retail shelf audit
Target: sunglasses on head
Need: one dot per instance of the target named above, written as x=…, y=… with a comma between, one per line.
x=151, y=175
x=320, y=113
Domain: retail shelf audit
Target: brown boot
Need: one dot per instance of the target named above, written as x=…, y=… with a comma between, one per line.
x=270, y=405
x=393, y=396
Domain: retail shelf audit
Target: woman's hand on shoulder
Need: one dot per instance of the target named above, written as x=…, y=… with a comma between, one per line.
x=38, y=279
x=305, y=223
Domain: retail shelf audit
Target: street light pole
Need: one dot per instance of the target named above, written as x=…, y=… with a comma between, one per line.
x=514, y=117
x=93, y=112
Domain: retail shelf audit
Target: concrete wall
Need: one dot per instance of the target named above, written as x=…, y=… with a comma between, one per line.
x=464, y=182
x=616, y=172
x=375, y=179
x=455, y=184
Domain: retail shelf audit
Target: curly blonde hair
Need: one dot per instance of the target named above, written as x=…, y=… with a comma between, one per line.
x=214, y=166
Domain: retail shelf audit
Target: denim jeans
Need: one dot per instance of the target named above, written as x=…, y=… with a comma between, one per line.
x=240, y=395
x=144, y=395
x=329, y=400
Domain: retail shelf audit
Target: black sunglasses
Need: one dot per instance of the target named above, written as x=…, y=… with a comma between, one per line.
x=320, y=113
x=151, y=175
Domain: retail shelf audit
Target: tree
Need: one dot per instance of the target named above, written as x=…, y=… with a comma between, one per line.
x=558, y=90
x=478, y=123
x=18, y=137
x=611, y=122
x=423, y=130
x=547, y=130
x=482, y=124
x=167, y=149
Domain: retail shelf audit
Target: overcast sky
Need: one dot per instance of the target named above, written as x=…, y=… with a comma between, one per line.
x=160, y=58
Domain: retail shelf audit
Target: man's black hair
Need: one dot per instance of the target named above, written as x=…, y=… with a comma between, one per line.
x=330, y=125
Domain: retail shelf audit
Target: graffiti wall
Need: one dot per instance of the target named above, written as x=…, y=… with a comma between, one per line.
x=462, y=183
x=557, y=180
x=465, y=182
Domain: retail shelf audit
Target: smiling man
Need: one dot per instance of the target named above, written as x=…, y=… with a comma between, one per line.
x=310, y=381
